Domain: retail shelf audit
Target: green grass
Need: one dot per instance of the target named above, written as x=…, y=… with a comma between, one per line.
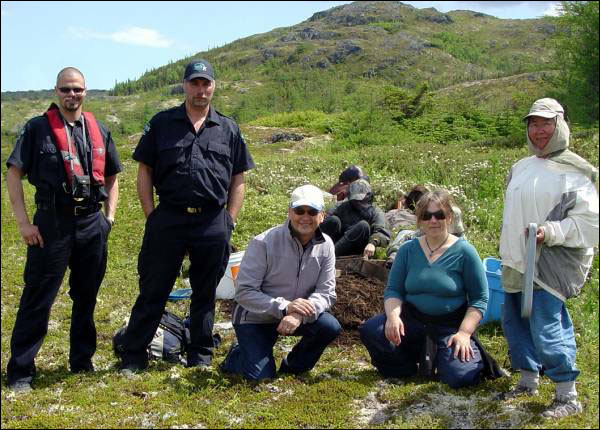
x=343, y=391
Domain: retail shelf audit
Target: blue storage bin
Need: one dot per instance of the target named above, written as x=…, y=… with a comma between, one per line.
x=493, y=273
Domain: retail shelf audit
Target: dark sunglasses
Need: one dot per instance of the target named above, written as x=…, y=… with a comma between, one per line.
x=300, y=210
x=67, y=90
x=439, y=215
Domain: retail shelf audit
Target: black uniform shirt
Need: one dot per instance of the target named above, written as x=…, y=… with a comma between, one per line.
x=193, y=169
x=37, y=156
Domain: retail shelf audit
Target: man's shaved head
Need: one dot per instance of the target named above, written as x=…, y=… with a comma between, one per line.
x=68, y=71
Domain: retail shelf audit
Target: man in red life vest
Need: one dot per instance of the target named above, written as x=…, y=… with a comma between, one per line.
x=72, y=162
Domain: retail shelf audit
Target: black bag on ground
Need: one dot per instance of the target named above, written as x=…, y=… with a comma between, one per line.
x=169, y=343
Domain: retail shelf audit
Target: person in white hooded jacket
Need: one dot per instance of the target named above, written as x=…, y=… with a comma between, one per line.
x=556, y=189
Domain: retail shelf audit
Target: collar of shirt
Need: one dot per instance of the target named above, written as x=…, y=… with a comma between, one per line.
x=212, y=116
x=78, y=121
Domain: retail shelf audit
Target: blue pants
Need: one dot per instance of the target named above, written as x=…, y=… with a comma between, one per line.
x=169, y=234
x=545, y=339
x=401, y=361
x=77, y=242
x=253, y=357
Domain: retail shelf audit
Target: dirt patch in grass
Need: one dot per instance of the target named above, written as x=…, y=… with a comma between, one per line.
x=443, y=408
x=472, y=411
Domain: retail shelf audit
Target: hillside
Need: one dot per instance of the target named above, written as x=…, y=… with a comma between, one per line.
x=343, y=58
x=317, y=62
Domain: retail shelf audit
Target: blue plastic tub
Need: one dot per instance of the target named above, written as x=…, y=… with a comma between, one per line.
x=493, y=272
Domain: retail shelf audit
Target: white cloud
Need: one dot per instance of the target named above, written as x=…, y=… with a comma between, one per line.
x=141, y=36
x=129, y=36
x=554, y=9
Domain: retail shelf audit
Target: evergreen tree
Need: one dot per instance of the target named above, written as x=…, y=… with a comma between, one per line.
x=576, y=57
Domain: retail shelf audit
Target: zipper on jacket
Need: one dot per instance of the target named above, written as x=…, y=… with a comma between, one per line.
x=299, y=264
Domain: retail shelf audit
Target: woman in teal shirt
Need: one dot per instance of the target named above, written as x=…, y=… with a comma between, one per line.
x=435, y=297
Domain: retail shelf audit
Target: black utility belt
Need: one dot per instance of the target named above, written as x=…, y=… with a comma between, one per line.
x=77, y=210
x=192, y=210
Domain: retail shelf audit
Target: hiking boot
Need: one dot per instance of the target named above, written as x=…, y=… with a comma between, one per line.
x=20, y=386
x=563, y=407
x=518, y=391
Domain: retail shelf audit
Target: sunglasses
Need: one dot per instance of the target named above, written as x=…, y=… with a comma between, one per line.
x=439, y=215
x=67, y=90
x=301, y=211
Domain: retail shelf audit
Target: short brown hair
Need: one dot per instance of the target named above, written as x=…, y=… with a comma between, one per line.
x=439, y=196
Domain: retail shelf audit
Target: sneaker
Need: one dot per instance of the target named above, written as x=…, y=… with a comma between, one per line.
x=518, y=391
x=563, y=408
x=20, y=386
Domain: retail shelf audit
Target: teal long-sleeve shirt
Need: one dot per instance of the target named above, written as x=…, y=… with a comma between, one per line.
x=439, y=288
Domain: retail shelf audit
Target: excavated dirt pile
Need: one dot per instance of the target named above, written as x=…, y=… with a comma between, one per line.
x=358, y=299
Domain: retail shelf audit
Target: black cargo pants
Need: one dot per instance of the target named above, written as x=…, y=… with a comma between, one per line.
x=169, y=234
x=79, y=242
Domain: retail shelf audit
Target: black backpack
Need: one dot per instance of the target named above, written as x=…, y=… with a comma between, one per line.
x=169, y=343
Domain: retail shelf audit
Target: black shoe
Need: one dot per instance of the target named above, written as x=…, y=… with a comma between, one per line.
x=82, y=369
x=20, y=386
x=197, y=360
x=198, y=363
x=285, y=369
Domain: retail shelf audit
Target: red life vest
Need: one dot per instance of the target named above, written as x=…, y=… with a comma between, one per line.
x=98, y=148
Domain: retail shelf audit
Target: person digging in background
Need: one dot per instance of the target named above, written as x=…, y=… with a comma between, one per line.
x=350, y=174
x=357, y=227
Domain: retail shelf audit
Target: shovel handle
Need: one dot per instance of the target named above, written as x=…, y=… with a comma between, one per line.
x=527, y=299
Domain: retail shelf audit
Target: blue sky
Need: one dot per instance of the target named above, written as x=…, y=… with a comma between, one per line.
x=116, y=41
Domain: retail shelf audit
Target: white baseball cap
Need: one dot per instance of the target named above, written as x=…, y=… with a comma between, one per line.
x=546, y=108
x=307, y=195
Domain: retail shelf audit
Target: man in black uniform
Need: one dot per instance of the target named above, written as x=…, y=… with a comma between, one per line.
x=72, y=162
x=195, y=158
